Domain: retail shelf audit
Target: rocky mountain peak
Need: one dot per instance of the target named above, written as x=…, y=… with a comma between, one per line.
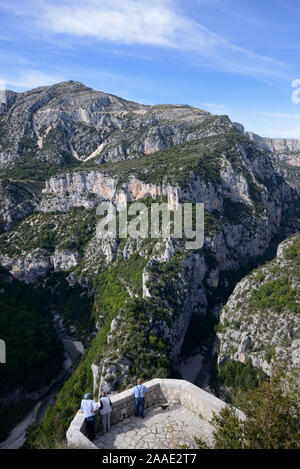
x=66, y=123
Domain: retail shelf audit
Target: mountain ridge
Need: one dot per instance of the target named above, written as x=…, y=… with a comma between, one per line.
x=47, y=129
x=145, y=292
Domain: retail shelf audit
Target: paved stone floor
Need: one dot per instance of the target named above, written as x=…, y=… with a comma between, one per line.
x=171, y=428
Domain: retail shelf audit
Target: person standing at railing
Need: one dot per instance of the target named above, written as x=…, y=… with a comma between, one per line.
x=89, y=408
x=139, y=392
x=105, y=412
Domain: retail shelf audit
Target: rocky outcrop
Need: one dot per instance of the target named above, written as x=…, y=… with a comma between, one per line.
x=183, y=394
x=287, y=150
x=89, y=188
x=261, y=318
x=177, y=154
x=69, y=122
x=285, y=153
x=16, y=203
x=283, y=147
x=37, y=263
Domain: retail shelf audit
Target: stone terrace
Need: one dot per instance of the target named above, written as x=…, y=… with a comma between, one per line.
x=176, y=412
x=171, y=428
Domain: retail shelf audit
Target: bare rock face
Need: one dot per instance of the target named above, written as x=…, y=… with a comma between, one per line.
x=29, y=267
x=296, y=353
x=89, y=188
x=98, y=147
x=64, y=260
x=286, y=154
x=261, y=318
x=69, y=122
x=287, y=149
x=16, y=203
x=37, y=263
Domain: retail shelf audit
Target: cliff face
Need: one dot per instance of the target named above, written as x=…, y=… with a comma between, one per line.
x=120, y=151
x=87, y=188
x=261, y=318
x=235, y=187
x=286, y=155
x=17, y=201
x=68, y=123
x=288, y=148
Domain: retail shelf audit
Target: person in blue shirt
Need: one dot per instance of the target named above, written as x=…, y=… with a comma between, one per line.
x=89, y=408
x=139, y=392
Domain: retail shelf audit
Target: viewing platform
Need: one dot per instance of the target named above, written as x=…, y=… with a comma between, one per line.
x=176, y=412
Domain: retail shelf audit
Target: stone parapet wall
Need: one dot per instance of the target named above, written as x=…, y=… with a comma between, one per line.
x=76, y=434
x=190, y=396
x=159, y=391
x=123, y=403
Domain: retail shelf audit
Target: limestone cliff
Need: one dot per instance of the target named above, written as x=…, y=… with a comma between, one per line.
x=86, y=147
x=261, y=318
x=285, y=153
x=68, y=123
x=287, y=150
x=17, y=201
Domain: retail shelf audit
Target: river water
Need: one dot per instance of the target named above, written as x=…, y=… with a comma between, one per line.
x=74, y=350
x=197, y=368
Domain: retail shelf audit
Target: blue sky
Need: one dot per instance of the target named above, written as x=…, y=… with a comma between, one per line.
x=231, y=57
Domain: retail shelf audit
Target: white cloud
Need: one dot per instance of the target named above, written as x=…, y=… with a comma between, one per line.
x=120, y=21
x=144, y=22
x=128, y=22
x=158, y=23
x=29, y=79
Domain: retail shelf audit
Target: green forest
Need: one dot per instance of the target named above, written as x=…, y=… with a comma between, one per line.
x=34, y=353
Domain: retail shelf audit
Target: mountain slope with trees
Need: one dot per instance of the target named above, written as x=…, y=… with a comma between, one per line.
x=73, y=148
